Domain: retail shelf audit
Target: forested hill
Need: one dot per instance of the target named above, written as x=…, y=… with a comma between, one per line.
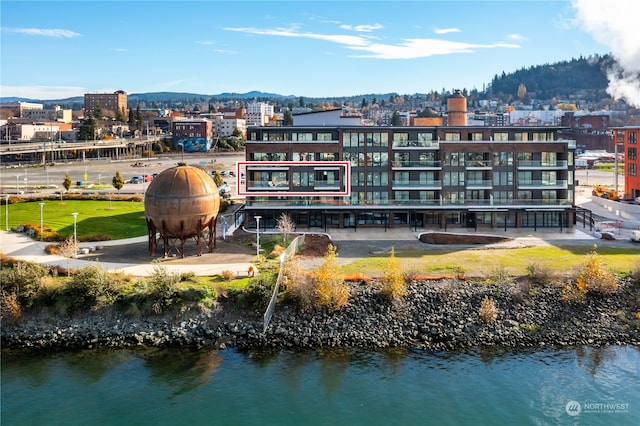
x=584, y=78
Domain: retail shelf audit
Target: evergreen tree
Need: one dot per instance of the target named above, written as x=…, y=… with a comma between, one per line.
x=287, y=118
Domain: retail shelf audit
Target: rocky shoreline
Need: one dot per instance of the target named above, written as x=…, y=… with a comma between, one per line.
x=435, y=315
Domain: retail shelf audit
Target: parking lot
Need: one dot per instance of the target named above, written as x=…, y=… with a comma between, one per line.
x=97, y=174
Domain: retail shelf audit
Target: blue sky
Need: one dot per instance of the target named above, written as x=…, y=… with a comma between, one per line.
x=52, y=49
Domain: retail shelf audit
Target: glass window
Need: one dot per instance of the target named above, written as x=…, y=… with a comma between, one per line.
x=632, y=169
x=525, y=177
x=548, y=177
x=476, y=136
x=401, y=178
x=324, y=137
x=503, y=159
x=501, y=136
x=549, y=158
x=450, y=136
x=632, y=154
x=633, y=137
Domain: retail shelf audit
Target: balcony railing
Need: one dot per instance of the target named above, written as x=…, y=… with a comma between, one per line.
x=416, y=184
x=310, y=202
x=537, y=164
x=538, y=184
x=417, y=164
x=478, y=183
x=416, y=144
x=478, y=164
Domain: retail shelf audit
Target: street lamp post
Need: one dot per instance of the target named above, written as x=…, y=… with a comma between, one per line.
x=75, y=232
x=17, y=185
x=258, y=234
x=6, y=212
x=41, y=221
x=99, y=179
x=181, y=145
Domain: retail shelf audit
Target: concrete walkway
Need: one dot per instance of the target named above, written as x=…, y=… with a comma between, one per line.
x=22, y=247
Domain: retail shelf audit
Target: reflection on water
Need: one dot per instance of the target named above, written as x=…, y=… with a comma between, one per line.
x=327, y=386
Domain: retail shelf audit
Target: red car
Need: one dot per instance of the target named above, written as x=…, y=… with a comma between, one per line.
x=148, y=178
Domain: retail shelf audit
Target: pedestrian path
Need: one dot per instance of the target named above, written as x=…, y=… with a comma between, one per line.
x=22, y=247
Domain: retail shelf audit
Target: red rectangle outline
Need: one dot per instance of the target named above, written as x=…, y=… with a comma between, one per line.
x=347, y=180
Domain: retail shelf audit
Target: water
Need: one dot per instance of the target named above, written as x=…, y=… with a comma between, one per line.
x=338, y=387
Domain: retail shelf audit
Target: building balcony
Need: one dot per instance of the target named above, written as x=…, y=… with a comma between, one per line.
x=478, y=165
x=479, y=184
x=540, y=184
x=416, y=185
x=435, y=204
x=542, y=165
x=423, y=165
x=422, y=145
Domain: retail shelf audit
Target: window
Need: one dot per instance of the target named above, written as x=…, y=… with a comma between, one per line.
x=503, y=159
x=502, y=197
x=549, y=195
x=351, y=157
x=525, y=195
x=548, y=178
x=454, y=159
x=401, y=195
x=632, y=169
x=520, y=136
x=452, y=136
x=453, y=178
x=427, y=178
x=633, y=137
x=428, y=159
x=631, y=154
x=327, y=156
x=302, y=178
x=525, y=178
x=542, y=136
x=357, y=179
x=502, y=178
x=401, y=178
x=501, y=136
x=400, y=139
x=324, y=137
x=548, y=158
x=380, y=159
x=400, y=159
x=476, y=136
x=377, y=178
x=302, y=137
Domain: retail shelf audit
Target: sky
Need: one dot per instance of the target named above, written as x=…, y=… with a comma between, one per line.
x=59, y=49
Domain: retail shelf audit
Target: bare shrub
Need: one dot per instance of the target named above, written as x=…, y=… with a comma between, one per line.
x=540, y=274
x=286, y=226
x=571, y=293
x=394, y=285
x=488, y=311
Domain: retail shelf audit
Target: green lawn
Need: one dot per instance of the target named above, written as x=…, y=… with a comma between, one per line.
x=120, y=219
x=485, y=262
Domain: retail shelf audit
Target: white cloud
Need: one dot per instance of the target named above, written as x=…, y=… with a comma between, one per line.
x=227, y=52
x=119, y=49
x=422, y=48
x=407, y=49
x=446, y=30
x=204, y=43
x=42, y=92
x=614, y=24
x=43, y=32
x=362, y=28
x=516, y=37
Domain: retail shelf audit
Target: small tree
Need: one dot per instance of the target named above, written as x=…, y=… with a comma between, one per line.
x=330, y=286
x=118, y=183
x=488, y=311
x=595, y=278
x=66, y=183
x=286, y=226
x=68, y=250
x=394, y=285
x=217, y=179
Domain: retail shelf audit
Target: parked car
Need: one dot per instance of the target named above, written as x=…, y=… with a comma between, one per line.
x=148, y=178
x=135, y=179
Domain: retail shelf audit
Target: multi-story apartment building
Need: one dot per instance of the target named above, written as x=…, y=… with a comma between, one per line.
x=430, y=177
x=192, y=135
x=109, y=103
x=259, y=114
x=628, y=138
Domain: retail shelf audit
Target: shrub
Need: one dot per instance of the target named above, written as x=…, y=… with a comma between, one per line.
x=488, y=311
x=331, y=289
x=228, y=275
x=394, y=285
x=24, y=279
x=90, y=286
x=162, y=287
x=300, y=287
x=595, y=278
x=10, y=309
x=499, y=275
x=540, y=275
x=571, y=293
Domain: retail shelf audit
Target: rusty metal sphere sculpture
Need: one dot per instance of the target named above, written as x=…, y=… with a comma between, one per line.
x=180, y=203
